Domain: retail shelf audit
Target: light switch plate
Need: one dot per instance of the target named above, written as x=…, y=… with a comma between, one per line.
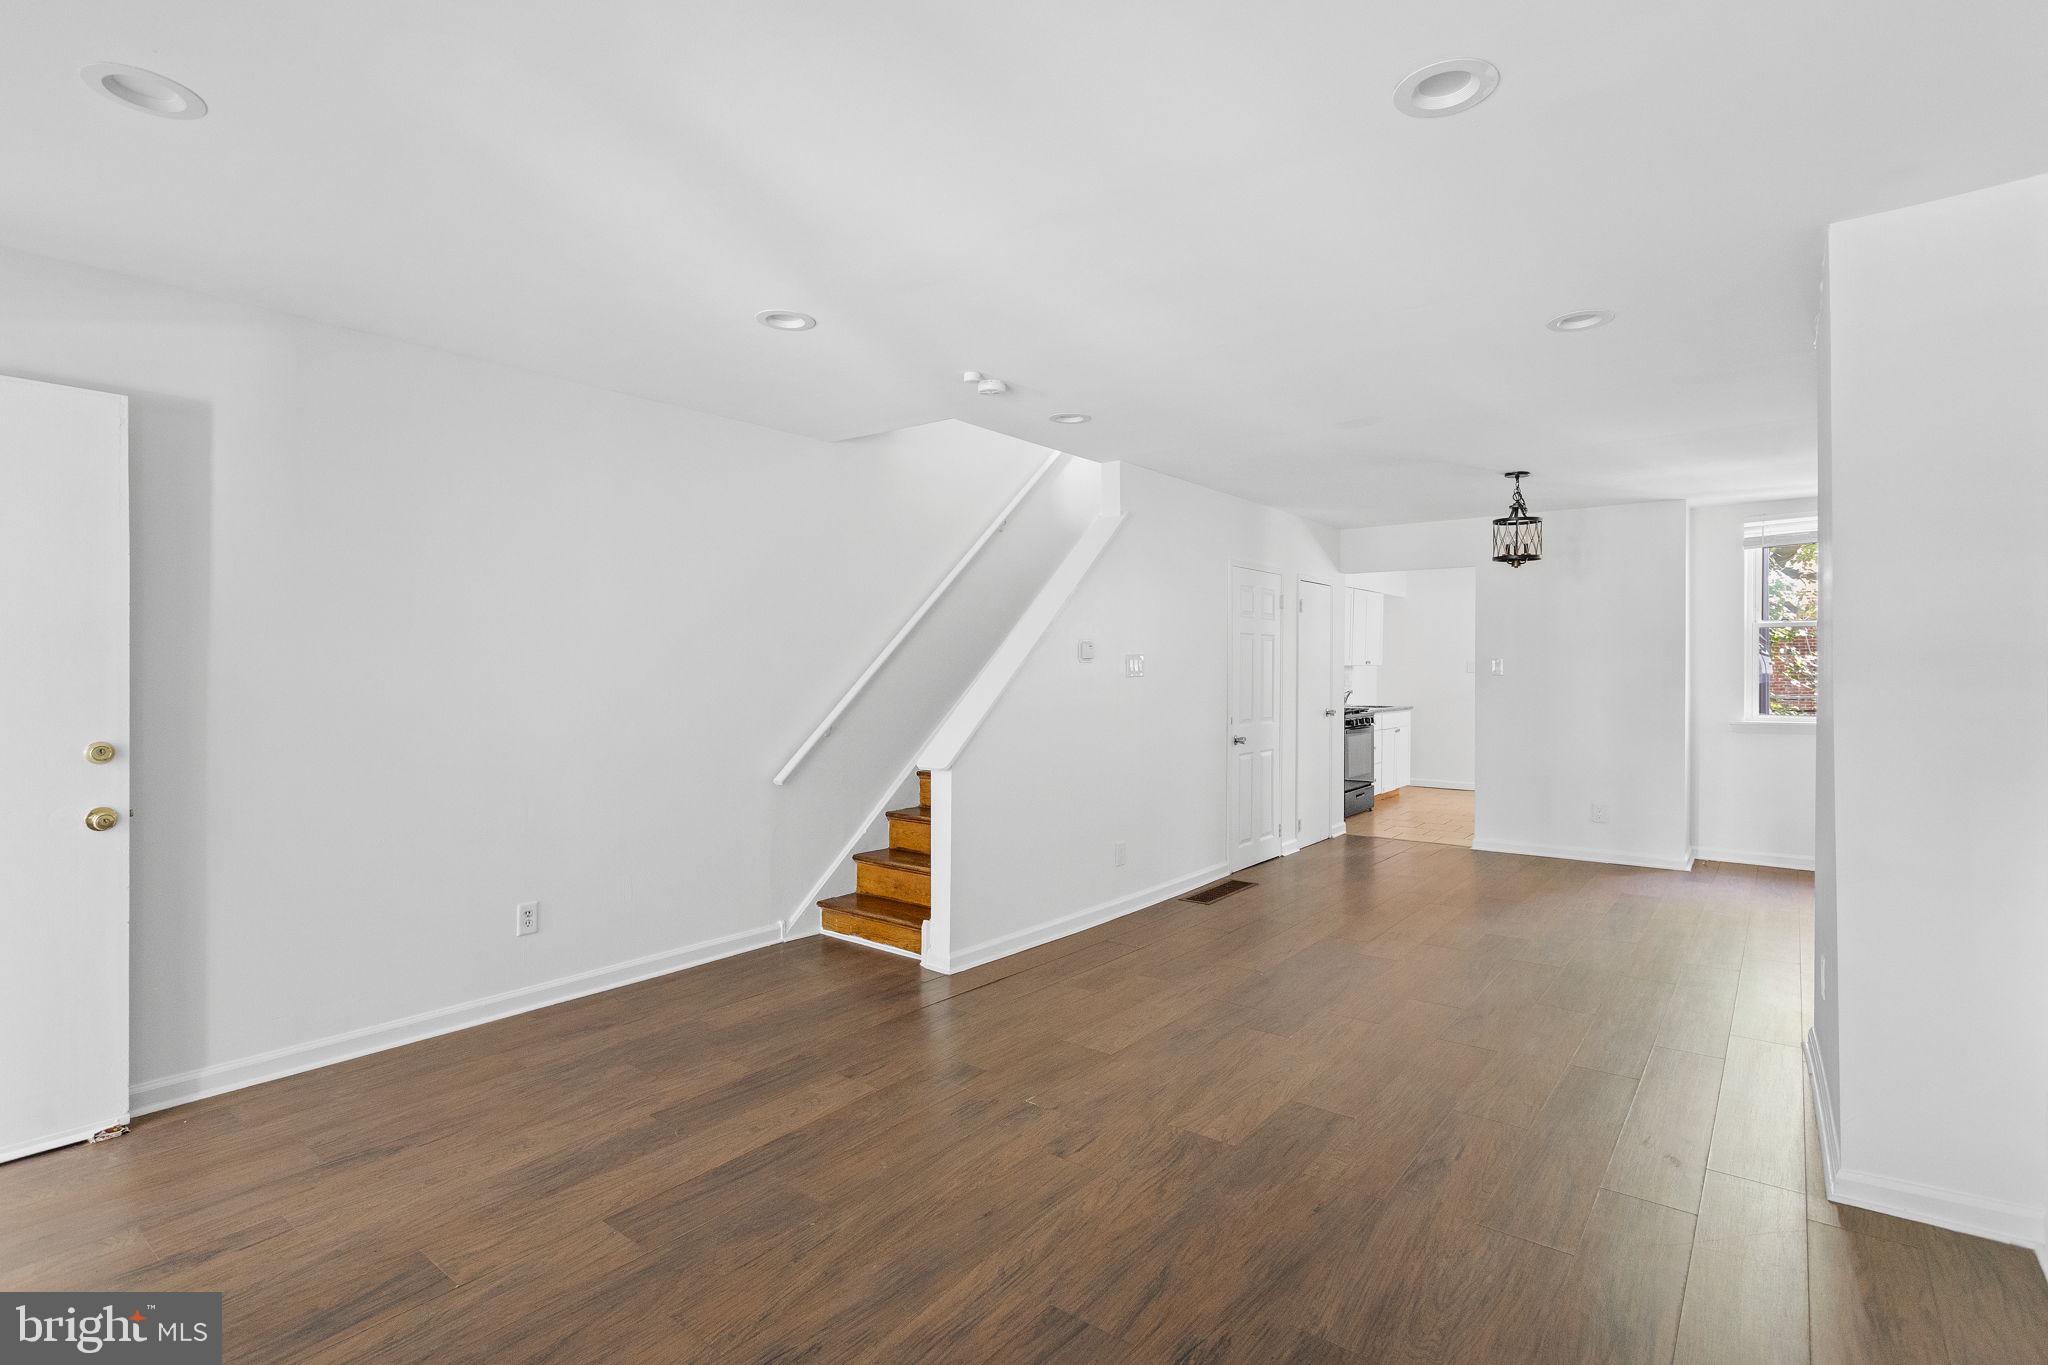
x=1497, y=667
x=1134, y=665
x=1085, y=651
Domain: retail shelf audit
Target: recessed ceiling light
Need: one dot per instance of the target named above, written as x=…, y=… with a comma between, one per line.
x=1070, y=418
x=1582, y=322
x=144, y=90
x=1446, y=87
x=784, y=321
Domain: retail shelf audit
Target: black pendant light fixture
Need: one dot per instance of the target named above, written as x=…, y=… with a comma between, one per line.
x=1517, y=537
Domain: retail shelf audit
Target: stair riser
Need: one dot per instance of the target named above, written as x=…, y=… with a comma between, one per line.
x=924, y=790
x=875, y=930
x=893, y=882
x=915, y=835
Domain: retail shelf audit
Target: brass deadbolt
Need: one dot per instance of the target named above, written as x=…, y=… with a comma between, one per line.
x=101, y=752
x=102, y=818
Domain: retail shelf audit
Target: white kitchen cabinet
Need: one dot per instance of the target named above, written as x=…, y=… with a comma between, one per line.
x=1365, y=637
x=1391, y=751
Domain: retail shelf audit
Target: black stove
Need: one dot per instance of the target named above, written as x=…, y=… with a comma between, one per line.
x=1358, y=742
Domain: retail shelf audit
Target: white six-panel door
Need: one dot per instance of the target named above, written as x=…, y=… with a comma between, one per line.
x=1256, y=599
x=63, y=689
x=1319, y=718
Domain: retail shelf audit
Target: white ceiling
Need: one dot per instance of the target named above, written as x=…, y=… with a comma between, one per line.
x=1205, y=223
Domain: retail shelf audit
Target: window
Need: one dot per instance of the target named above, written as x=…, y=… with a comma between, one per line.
x=1783, y=575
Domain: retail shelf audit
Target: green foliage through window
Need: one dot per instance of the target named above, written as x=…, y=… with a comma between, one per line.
x=1788, y=646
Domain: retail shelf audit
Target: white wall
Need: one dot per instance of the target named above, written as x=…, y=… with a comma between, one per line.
x=418, y=637
x=1593, y=707
x=1752, y=781
x=1934, y=853
x=1432, y=627
x=1076, y=757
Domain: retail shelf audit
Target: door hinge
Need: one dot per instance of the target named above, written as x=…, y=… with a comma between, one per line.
x=1297, y=824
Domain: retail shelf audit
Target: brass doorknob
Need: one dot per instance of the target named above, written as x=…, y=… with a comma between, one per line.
x=101, y=752
x=101, y=818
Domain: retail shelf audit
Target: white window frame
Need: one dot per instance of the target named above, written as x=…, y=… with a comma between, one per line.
x=1757, y=535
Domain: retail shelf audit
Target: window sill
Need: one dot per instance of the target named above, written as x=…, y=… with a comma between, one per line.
x=1783, y=724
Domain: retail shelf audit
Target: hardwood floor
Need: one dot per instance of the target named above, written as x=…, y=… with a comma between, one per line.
x=1428, y=815
x=1398, y=1102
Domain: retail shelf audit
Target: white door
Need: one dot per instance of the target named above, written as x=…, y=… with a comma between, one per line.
x=1254, y=741
x=63, y=690
x=1319, y=720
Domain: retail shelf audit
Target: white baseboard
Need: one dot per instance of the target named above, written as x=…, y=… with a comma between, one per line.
x=1823, y=1113
x=859, y=942
x=1440, y=786
x=147, y=1097
x=1976, y=1215
x=1795, y=861
x=1051, y=929
x=56, y=1140
x=1586, y=855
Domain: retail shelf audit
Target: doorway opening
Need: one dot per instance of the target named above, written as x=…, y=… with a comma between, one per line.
x=1411, y=714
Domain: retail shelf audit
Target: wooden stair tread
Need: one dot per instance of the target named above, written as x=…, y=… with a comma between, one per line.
x=879, y=907
x=918, y=814
x=903, y=859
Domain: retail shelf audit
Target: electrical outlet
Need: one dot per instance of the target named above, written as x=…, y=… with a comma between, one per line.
x=1599, y=812
x=1117, y=851
x=528, y=921
x=1497, y=667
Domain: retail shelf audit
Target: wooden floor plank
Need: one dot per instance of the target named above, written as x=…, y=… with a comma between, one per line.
x=1700, y=1010
x=1662, y=1152
x=1627, y=1285
x=1625, y=1026
x=1363, y=1111
x=1549, y=1195
x=1992, y=1299
x=1873, y=1301
x=1759, y=1122
x=1767, y=1001
x=1746, y=1289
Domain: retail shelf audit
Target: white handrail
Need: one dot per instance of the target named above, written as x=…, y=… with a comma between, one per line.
x=923, y=609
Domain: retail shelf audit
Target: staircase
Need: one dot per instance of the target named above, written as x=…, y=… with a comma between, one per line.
x=892, y=896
